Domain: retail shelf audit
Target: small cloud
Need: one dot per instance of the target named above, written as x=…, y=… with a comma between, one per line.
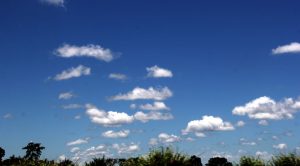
x=133, y=106
x=126, y=148
x=77, y=117
x=66, y=95
x=240, y=123
x=73, y=73
x=166, y=138
x=281, y=146
x=62, y=158
x=78, y=142
x=59, y=3
x=72, y=106
x=156, y=106
x=207, y=124
x=145, y=94
x=7, y=116
x=116, y=134
x=158, y=72
x=289, y=48
x=153, y=115
x=245, y=142
x=74, y=149
x=153, y=141
x=117, y=76
x=94, y=51
x=263, y=123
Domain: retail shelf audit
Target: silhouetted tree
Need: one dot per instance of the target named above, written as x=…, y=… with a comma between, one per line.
x=195, y=161
x=2, y=154
x=33, y=151
x=218, y=161
x=66, y=162
x=101, y=162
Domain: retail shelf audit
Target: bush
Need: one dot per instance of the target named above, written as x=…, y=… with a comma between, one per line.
x=251, y=161
x=285, y=160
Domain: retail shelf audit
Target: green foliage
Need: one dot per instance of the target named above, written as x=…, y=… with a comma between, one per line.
x=33, y=151
x=285, y=160
x=251, y=161
x=102, y=162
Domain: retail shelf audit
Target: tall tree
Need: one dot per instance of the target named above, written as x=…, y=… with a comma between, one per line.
x=33, y=151
x=2, y=153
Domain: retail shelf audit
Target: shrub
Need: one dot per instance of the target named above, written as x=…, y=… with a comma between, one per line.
x=251, y=161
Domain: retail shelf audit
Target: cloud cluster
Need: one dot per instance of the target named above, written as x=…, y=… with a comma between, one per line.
x=146, y=94
x=207, y=124
x=158, y=72
x=289, y=48
x=91, y=50
x=117, y=76
x=109, y=118
x=116, y=134
x=73, y=73
x=266, y=108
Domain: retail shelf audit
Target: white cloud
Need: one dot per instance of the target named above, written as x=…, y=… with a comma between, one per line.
x=248, y=143
x=116, y=134
x=289, y=48
x=7, y=116
x=117, y=76
x=94, y=51
x=240, y=123
x=54, y=2
x=78, y=142
x=109, y=118
x=158, y=72
x=153, y=141
x=263, y=155
x=263, y=122
x=133, y=106
x=62, y=157
x=77, y=117
x=266, y=108
x=156, y=106
x=126, y=148
x=153, y=115
x=74, y=149
x=150, y=93
x=66, y=95
x=166, y=138
x=281, y=146
x=72, y=106
x=73, y=73
x=207, y=124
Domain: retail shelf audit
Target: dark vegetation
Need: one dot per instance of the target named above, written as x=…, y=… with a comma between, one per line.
x=157, y=157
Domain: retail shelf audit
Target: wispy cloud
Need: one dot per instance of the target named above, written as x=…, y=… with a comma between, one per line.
x=153, y=115
x=240, y=123
x=117, y=76
x=94, y=51
x=73, y=73
x=150, y=93
x=156, y=106
x=7, y=116
x=266, y=108
x=126, y=148
x=289, y=48
x=66, y=95
x=158, y=72
x=78, y=142
x=207, y=124
x=59, y=3
x=72, y=106
x=116, y=134
x=108, y=118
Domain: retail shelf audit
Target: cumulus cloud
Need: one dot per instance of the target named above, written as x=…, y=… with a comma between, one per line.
x=156, y=106
x=240, y=123
x=166, y=138
x=150, y=93
x=126, y=148
x=73, y=73
x=94, y=51
x=207, y=124
x=158, y=72
x=153, y=115
x=108, y=118
x=281, y=146
x=116, y=134
x=289, y=48
x=264, y=108
x=78, y=142
x=59, y=3
x=117, y=76
x=66, y=95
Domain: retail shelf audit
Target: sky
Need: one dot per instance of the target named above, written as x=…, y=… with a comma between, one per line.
x=117, y=78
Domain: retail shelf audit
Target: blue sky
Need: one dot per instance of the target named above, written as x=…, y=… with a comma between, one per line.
x=119, y=77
